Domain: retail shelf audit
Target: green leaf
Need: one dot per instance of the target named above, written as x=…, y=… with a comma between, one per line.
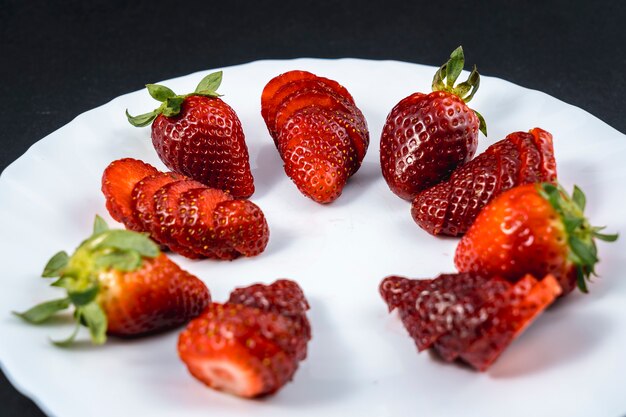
x=96, y=321
x=210, y=83
x=99, y=225
x=606, y=238
x=159, y=92
x=571, y=223
x=127, y=261
x=580, y=279
x=66, y=282
x=455, y=66
x=579, y=198
x=172, y=106
x=474, y=81
x=127, y=240
x=438, y=84
x=143, y=119
x=42, y=312
x=208, y=93
x=583, y=251
x=483, y=125
x=70, y=339
x=55, y=265
x=84, y=296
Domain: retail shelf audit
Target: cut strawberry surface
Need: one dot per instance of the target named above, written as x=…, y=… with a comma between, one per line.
x=394, y=288
x=168, y=221
x=118, y=181
x=233, y=348
x=512, y=320
x=530, y=158
x=277, y=83
x=143, y=198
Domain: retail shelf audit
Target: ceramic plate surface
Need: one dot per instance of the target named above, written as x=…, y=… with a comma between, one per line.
x=570, y=362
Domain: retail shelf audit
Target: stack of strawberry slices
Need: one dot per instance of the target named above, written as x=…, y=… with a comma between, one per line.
x=319, y=132
x=182, y=214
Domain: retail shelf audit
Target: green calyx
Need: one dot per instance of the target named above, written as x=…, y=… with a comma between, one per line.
x=581, y=236
x=106, y=249
x=171, y=102
x=446, y=76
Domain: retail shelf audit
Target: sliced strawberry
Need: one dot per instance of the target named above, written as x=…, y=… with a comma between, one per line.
x=276, y=84
x=168, y=223
x=236, y=349
x=303, y=99
x=543, y=141
x=357, y=129
x=143, y=198
x=118, y=181
x=241, y=225
x=393, y=289
x=530, y=158
x=511, y=321
x=196, y=208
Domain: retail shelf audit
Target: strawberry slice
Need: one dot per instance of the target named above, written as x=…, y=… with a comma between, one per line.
x=543, y=141
x=530, y=158
x=168, y=223
x=234, y=348
x=241, y=225
x=195, y=211
x=511, y=321
x=303, y=99
x=118, y=181
x=276, y=84
x=142, y=198
x=394, y=288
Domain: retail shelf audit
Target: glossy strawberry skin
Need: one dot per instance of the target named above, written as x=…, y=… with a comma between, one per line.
x=518, y=233
x=241, y=225
x=250, y=346
x=449, y=208
x=158, y=296
x=205, y=142
x=425, y=137
x=143, y=203
x=234, y=336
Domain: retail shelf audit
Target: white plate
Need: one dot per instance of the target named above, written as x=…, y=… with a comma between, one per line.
x=569, y=363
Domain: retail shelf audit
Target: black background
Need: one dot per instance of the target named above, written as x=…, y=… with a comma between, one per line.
x=60, y=59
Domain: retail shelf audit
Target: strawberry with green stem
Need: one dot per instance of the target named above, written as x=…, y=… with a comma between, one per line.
x=200, y=136
x=121, y=284
x=426, y=136
x=536, y=229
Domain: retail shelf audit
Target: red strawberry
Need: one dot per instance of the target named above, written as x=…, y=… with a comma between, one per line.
x=200, y=136
x=118, y=181
x=426, y=136
x=168, y=223
x=525, y=306
x=536, y=229
x=193, y=220
x=320, y=133
x=450, y=207
x=468, y=316
x=142, y=198
x=120, y=284
x=251, y=348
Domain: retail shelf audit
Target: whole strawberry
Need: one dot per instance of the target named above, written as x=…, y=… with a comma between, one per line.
x=251, y=345
x=450, y=207
x=426, y=136
x=200, y=136
x=533, y=229
x=120, y=284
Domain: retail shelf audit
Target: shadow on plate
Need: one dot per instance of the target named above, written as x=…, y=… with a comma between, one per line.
x=268, y=171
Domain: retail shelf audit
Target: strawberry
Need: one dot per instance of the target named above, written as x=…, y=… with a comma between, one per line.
x=120, y=284
x=319, y=132
x=251, y=345
x=118, y=180
x=200, y=136
x=537, y=229
x=187, y=217
x=468, y=316
x=450, y=207
x=426, y=136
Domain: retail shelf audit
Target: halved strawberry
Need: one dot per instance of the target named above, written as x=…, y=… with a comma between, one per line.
x=118, y=180
x=142, y=197
x=233, y=348
x=168, y=223
x=511, y=321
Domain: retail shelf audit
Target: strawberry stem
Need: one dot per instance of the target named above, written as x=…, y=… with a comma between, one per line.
x=171, y=102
